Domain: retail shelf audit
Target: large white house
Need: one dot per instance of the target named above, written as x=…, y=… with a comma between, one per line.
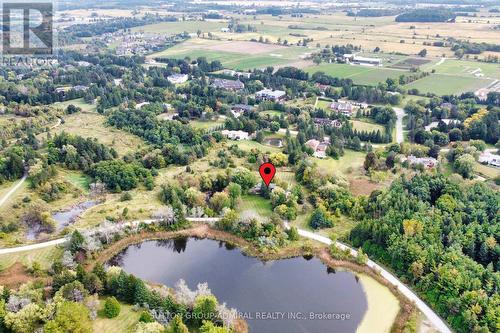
x=177, y=78
x=270, y=95
x=236, y=135
x=489, y=158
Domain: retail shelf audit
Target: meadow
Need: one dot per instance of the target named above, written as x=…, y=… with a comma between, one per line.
x=92, y=125
x=443, y=84
x=358, y=74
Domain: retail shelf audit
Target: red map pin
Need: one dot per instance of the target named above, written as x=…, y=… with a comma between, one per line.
x=267, y=171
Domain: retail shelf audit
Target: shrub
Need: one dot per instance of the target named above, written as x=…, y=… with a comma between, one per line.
x=111, y=307
x=126, y=196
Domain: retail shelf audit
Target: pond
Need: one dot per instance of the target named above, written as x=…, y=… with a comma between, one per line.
x=275, y=142
x=62, y=219
x=293, y=288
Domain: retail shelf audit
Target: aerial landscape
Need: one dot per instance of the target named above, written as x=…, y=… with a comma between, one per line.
x=230, y=166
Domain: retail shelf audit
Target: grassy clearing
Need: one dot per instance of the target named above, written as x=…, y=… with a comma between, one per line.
x=486, y=171
x=79, y=102
x=271, y=113
x=92, y=126
x=125, y=322
x=347, y=165
x=442, y=84
x=359, y=74
x=45, y=257
x=206, y=125
x=366, y=126
x=248, y=145
x=466, y=68
x=255, y=204
x=324, y=104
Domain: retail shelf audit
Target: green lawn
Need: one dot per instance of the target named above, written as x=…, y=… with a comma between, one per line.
x=45, y=257
x=442, y=84
x=486, y=171
x=79, y=102
x=352, y=160
x=323, y=104
x=366, y=126
x=465, y=68
x=125, y=322
x=206, y=125
x=255, y=204
x=359, y=74
x=271, y=113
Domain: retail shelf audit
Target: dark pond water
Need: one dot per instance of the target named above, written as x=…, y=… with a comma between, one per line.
x=293, y=287
x=62, y=219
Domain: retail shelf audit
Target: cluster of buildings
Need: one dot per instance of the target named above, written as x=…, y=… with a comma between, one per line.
x=135, y=43
x=239, y=109
x=319, y=147
x=357, y=60
x=342, y=107
x=328, y=122
x=230, y=72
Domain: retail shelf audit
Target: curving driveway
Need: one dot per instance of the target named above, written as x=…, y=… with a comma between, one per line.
x=14, y=188
x=400, y=113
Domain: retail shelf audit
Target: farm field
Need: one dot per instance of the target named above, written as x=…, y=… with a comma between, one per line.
x=241, y=55
x=442, y=84
x=359, y=74
x=465, y=68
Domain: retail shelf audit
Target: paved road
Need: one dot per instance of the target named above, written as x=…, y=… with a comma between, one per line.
x=209, y=220
x=438, y=323
x=400, y=113
x=12, y=190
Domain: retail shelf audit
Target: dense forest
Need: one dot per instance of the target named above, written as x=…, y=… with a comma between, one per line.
x=442, y=237
x=426, y=15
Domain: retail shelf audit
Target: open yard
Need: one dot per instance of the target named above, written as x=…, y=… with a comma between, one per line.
x=256, y=204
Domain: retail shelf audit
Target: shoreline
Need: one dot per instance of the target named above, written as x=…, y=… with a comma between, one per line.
x=368, y=277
